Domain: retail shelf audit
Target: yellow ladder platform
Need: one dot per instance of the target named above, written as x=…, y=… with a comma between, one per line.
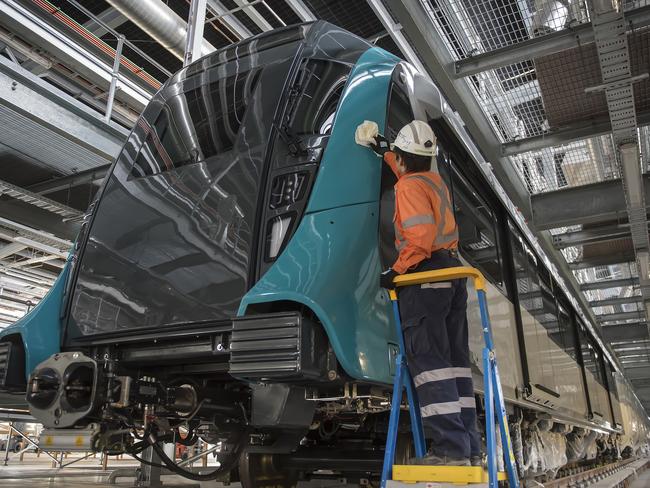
x=458, y=475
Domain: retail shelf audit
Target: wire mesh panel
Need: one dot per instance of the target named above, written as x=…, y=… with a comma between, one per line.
x=486, y=25
x=576, y=163
x=534, y=97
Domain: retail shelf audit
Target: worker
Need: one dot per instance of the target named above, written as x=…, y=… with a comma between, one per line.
x=433, y=315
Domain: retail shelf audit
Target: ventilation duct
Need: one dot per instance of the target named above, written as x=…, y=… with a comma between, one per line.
x=160, y=22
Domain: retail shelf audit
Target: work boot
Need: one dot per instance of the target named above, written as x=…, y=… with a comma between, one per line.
x=434, y=460
x=476, y=460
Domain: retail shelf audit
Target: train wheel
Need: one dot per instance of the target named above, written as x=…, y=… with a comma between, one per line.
x=259, y=470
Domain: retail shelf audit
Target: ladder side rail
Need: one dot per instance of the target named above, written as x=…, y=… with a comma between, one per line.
x=393, y=422
x=490, y=437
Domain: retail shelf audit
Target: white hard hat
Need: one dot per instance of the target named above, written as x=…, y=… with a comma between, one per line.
x=416, y=138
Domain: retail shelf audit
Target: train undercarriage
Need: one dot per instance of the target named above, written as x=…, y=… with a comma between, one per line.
x=286, y=416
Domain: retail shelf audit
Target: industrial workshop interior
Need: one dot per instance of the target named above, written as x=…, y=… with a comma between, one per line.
x=325, y=243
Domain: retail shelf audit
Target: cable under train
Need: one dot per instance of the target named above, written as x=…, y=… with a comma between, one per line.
x=224, y=284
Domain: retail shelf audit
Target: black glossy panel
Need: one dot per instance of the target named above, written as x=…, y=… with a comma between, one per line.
x=178, y=230
x=172, y=236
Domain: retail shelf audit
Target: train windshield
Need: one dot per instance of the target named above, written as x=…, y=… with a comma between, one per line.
x=173, y=238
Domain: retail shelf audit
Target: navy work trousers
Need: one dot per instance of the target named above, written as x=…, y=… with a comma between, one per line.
x=434, y=321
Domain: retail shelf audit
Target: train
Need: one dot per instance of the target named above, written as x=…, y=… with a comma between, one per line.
x=224, y=284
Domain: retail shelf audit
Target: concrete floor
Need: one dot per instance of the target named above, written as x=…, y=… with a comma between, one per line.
x=643, y=481
x=37, y=472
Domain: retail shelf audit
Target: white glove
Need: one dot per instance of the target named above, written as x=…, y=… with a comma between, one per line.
x=366, y=133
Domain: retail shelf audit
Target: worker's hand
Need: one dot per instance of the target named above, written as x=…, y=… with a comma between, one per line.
x=387, y=277
x=380, y=145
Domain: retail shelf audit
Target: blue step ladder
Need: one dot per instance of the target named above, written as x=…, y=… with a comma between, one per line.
x=393, y=475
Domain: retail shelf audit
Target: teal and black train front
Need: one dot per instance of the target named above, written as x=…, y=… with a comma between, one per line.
x=225, y=285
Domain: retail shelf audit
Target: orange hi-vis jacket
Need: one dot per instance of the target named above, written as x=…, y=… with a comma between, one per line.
x=424, y=218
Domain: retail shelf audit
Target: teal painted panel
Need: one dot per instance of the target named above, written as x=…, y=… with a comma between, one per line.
x=350, y=173
x=332, y=262
x=332, y=266
x=41, y=327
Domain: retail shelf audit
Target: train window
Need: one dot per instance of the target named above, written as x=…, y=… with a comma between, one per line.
x=565, y=335
x=195, y=125
x=400, y=112
x=538, y=295
x=525, y=268
x=591, y=357
x=477, y=229
x=316, y=96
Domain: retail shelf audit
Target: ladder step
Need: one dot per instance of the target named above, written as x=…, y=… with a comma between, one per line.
x=442, y=474
x=409, y=484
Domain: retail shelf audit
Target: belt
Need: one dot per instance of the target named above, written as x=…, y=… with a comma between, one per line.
x=446, y=252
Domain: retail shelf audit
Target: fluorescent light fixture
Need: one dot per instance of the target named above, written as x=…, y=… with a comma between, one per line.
x=632, y=173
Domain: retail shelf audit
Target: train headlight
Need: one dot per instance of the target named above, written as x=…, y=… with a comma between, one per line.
x=288, y=189
x=276, y=235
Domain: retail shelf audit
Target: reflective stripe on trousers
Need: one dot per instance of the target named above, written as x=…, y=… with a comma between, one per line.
x=437, y=352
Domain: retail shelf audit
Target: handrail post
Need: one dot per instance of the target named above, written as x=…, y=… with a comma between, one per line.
x=116, y=70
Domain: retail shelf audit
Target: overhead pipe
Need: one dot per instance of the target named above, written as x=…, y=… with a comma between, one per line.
x=160, y=22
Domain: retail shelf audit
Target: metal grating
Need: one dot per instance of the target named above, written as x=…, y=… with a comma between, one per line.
x=565, y=77
x=357, y=17
x=484, y=25
x=573, y=164
x=531, y=98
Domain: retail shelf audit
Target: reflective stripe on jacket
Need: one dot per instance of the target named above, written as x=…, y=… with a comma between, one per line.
x=424, y=218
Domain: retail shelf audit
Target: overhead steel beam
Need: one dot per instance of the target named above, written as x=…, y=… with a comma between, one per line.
x=99, y=71
x=47, y=125
x=599, y=285
x=89, y=95
x=20, y=216
x=11, y=249
x=641, y=383
x=611, y=317
x=301, y=10
x=28, y=262
x=541, y=46
x=233, y=23
x=395, y=32
x=110, y=17
x=637, y=371
x=254, y=15
x=67, y=182
x=37, y=200
x=575, y=132
x=585, y=204
x=625, y=332
x=195, y=26
x=428, y=43
x=591, y=235
x=616, y=301
x=607, y=258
